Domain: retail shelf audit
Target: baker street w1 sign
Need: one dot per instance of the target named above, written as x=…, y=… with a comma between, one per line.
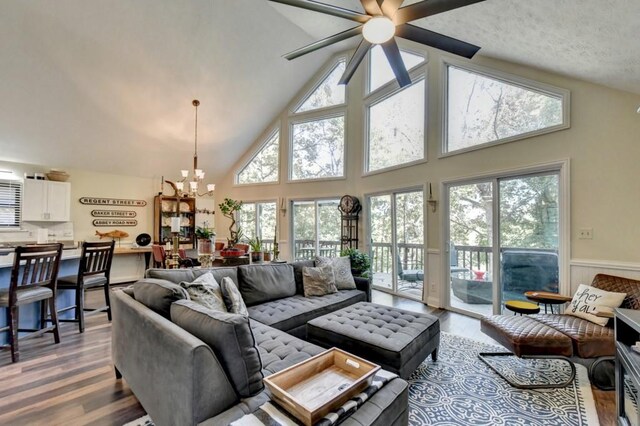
x=95, y=201
x=113, y=213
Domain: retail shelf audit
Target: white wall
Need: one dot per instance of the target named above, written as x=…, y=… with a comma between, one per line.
x=603, y=145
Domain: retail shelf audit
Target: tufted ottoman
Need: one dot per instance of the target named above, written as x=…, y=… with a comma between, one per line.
x=397, y=340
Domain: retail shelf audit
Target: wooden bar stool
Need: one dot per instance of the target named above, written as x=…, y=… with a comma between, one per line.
x=35, y=281
x=94, y=271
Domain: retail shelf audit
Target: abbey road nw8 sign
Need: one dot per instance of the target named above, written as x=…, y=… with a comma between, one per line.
x=113, y=213
x=97, y=201
x=115, y=222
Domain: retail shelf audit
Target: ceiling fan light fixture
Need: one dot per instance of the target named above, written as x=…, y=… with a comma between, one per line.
x=378, y=30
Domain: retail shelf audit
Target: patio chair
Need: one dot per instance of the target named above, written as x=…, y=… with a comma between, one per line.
x=412, y=276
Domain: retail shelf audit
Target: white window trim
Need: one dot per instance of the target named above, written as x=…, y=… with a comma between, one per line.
x=341, y=112
x=563, y=94
x=418, y=73
x=331, y=65
x=563, y=167
x=393, y=84
x=274, y=129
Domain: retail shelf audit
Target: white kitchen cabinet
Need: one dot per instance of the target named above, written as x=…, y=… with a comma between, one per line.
x=46, y=201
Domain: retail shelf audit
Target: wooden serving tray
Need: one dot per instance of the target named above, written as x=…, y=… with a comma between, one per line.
x=311, y=389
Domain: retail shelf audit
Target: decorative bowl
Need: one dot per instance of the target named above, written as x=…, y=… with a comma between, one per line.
x=58, y=176
x=231, y=253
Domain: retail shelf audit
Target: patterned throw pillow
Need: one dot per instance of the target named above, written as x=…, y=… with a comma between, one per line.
x=205, y=291
x=318, y=281
x=341, y=269
x=232, y=297
x=588, y=301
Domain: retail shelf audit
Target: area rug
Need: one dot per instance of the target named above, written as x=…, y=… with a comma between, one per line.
x=460, y=390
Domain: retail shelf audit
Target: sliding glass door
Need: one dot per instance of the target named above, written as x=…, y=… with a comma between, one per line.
x=316, y=229
x=503, y=238
x=396, y=231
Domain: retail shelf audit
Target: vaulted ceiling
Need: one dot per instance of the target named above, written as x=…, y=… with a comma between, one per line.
x=107, y=85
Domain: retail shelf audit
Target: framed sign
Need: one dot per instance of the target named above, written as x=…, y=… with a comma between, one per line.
x=113, y=213
x=97, y=201
x=115, y=222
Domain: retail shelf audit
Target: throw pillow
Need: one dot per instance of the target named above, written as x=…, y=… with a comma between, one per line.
x=318, y=281
x=341, y=269
x=232, y=297
x=231, y=339
x=205, y=291
x=590, y=300
x=158, y=295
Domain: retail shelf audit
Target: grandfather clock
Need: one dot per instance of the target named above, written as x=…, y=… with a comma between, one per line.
x=350, y=208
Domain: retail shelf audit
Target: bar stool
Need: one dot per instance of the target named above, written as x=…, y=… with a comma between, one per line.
x=35, y=281
x=94, y=271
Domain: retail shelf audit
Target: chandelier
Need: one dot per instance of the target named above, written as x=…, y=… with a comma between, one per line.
x=197, y=174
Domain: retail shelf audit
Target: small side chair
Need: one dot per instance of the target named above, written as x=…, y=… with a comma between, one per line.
x=94, y=271
x=33, y=281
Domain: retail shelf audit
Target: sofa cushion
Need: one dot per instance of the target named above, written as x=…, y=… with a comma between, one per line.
x=219, y=273
x=190, y=274
x=158, y=294
x=589, y=340
x=298, y=266
x=279, y=350
x=232, y=297
x=205, y=291
x=341, y=269
x=231, y=339
x=262, y=283
x=620, y=285
x=295, y=311
x=318, y=281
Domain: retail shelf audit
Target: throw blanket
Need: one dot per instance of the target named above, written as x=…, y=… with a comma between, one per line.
x=271, y=414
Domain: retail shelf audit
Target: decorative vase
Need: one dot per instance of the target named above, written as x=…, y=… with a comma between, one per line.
x=267, y=256
x=255, y=256
x=205, y=246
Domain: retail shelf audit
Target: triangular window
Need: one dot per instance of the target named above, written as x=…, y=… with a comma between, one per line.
x=380, y=72
x=328, y=92
x=265, y=165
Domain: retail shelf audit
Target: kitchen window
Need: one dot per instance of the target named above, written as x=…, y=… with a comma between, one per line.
x=10, y=203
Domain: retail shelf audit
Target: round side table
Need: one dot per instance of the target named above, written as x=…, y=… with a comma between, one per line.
x=521, y=307
x=547, y=298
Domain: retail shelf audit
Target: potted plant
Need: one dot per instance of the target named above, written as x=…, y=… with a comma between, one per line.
x=256, y=249
x=204, y=236
x=360, y=262
x=228, y=208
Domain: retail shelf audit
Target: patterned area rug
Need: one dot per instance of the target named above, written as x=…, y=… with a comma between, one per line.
x=460, y=390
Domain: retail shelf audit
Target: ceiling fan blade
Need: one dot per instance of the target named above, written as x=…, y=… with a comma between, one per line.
x=371, y=7
x=324, y=42
x=397, y=64
x=439, y=41
x=355, y=60
x=390, y=7
x=326, y=9
x=428, y=8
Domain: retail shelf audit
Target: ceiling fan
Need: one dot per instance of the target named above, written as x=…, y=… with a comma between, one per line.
x=382, y=20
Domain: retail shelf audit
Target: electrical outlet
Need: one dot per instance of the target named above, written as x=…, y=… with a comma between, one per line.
x=585, y=234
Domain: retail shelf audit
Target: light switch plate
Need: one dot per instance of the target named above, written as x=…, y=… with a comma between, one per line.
x=585, y=234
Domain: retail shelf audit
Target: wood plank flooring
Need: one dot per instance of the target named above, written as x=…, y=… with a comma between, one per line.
x=73, y=383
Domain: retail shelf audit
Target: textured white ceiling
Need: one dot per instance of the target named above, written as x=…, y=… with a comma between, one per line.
x=108, y=84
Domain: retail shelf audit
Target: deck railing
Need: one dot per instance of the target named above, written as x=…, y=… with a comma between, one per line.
x=411, y=256
x=479, y=257
x=306, y=249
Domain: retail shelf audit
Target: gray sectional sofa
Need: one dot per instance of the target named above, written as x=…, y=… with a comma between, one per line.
x=177, y=377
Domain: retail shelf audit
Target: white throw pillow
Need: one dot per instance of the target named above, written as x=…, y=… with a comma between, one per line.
x=590, y=300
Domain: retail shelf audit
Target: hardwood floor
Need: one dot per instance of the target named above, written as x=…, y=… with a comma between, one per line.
x=73, y=383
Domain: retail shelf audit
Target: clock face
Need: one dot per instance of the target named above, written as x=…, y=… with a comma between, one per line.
x=348, y=203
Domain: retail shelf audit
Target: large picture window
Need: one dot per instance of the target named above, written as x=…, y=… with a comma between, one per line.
x=328, y=92
x=317, y=149
x=396, y=128
x=10, y=203
x=264, y=166
x=485, y=109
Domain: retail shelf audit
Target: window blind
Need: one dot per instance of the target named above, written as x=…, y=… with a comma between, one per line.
x=10, y=203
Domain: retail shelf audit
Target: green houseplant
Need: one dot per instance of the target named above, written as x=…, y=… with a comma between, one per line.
x=360, y=262
x=204, y=235
x=256, y=249
x=228, y=208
